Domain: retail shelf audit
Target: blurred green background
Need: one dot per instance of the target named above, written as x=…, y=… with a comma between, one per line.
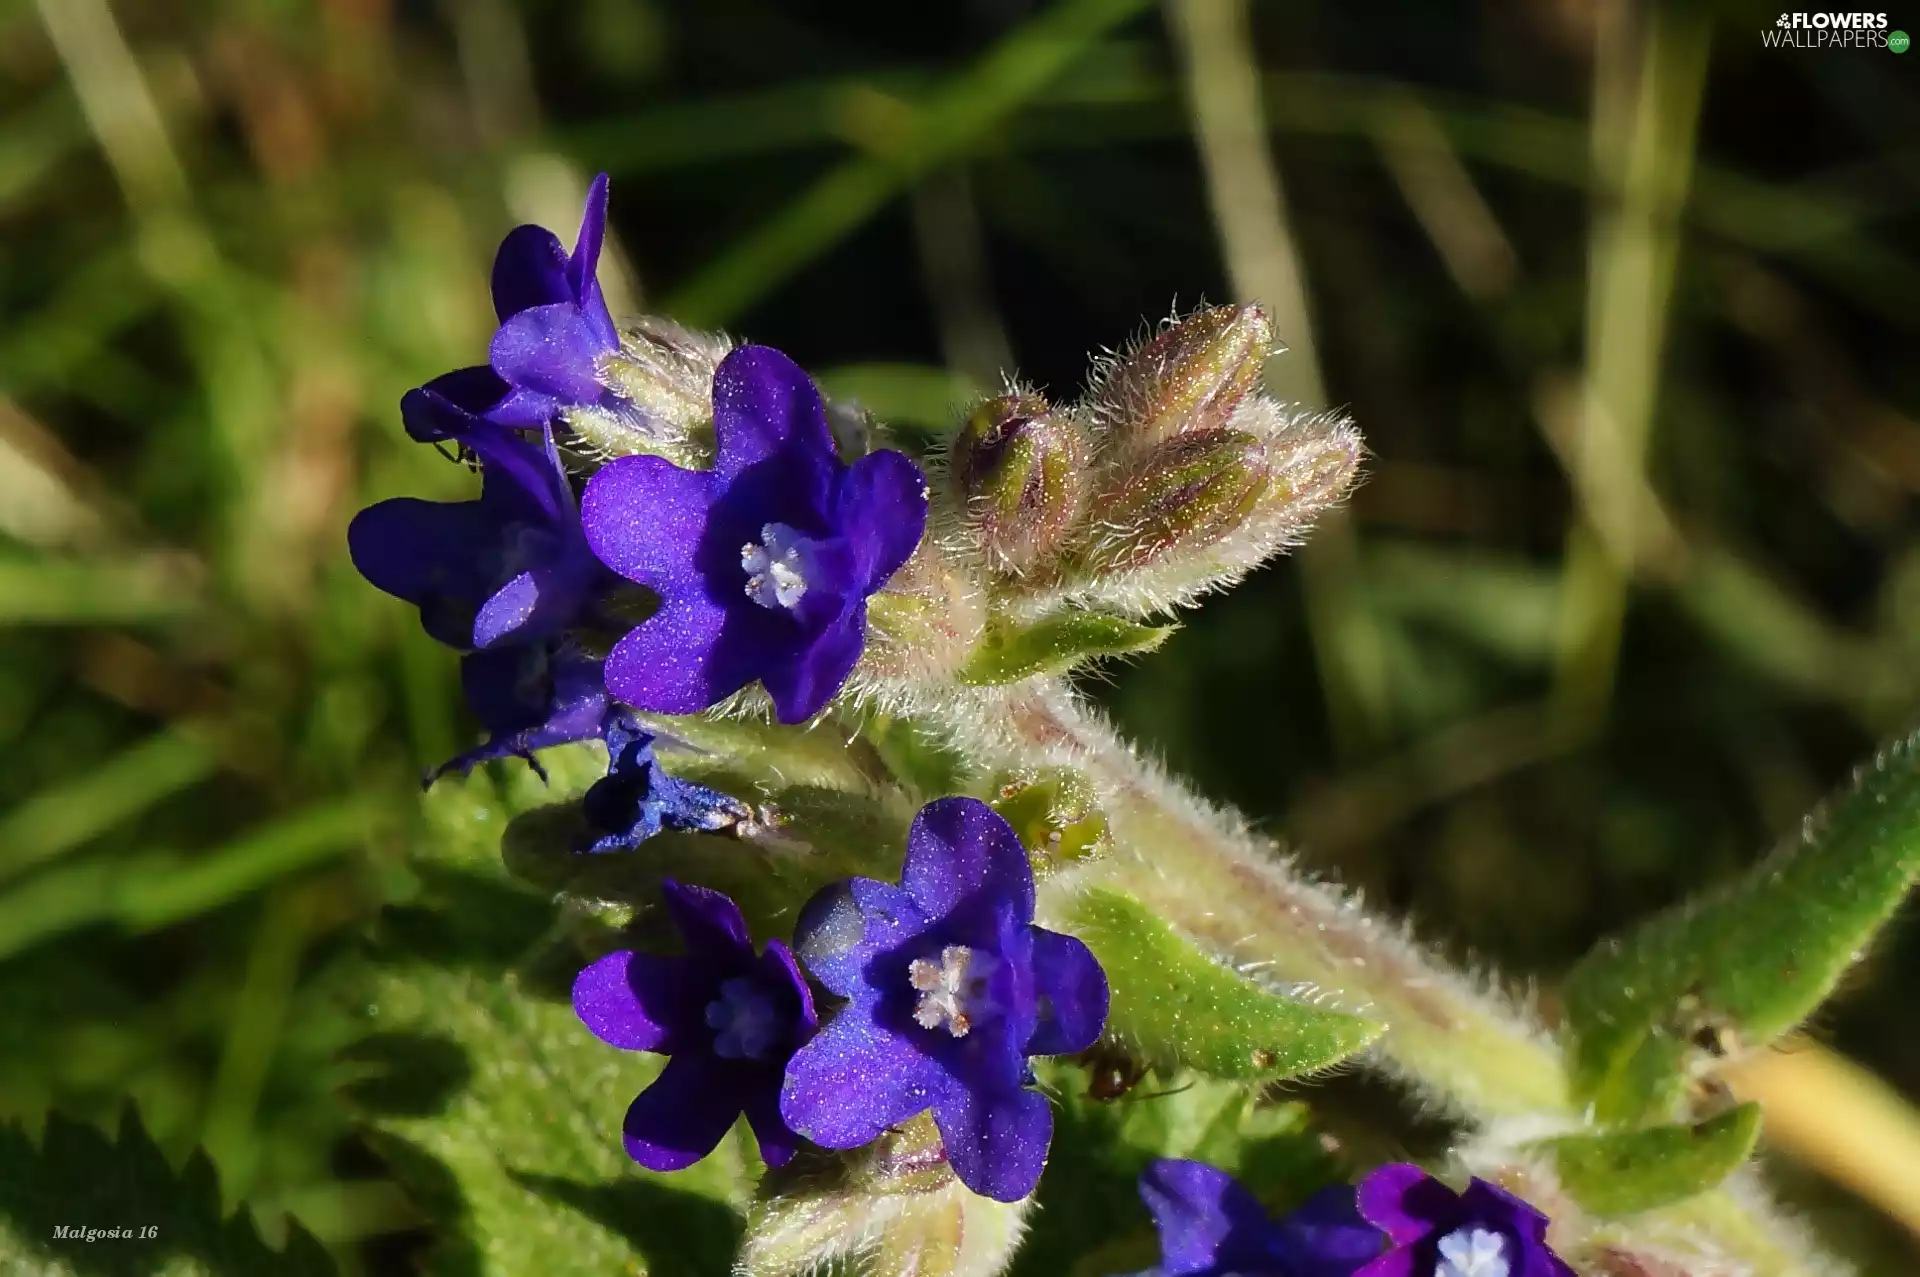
x=1625, y=302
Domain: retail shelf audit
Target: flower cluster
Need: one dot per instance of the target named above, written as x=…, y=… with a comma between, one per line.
x=758, y=569
x=1399, y=1222
x=948, y=988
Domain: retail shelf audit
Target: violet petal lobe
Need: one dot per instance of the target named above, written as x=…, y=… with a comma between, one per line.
x=960, y=848
x=683, y=1116
x=778, y=1142
x=881, y=509
x=1326, y=1236
x=853, y=1081
x=1205, y=1218
x=708, y=921
x=846, y=923
x=1402, y=1261
x=1072, y=992
x=425, y=552
x=554, y=350
x=638, y=1001
x=529, y=270
x=996, y=1141
x=583, y=268
x=768, y=415
x=802, y=683
x=1406, y=1202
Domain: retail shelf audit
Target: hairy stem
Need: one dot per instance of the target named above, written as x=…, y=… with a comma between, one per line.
x=1454, y=1039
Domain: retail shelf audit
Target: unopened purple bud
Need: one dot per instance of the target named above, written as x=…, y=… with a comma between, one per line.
x=1191, y=376
x=1188, y=493
x=1018, y=467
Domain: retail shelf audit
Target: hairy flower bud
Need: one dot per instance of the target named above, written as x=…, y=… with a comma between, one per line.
x=1018, y=468
x=1190, y=376
x=1188, y=493
x=1055, y=812
x=662, y=377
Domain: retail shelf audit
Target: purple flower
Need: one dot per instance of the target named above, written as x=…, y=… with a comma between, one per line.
x=555, y=332
x=727, y=1020
x=763, y=563
x=1436, y=1232
x=503, y=578
x=636, y=799
x=951, y=987
x=1211, y=1226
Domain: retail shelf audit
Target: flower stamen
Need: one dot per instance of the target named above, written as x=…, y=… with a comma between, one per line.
x=745, y=1021
x=952, y=991
x=777, y=566
x=1472, y=1252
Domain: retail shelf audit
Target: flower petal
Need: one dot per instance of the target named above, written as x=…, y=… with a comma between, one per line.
x=673, y=662
x=525, y=714
x=709, y=922
x=881, y=509
x=1205, y=1218
x=683, y=1115
x=529, y=270
x=1407, y=1202
x=853, y=1081
x=645, y=518
x=430, y=417
x=641, y=1001
x=1326, y=1237
x=551, y=349
x=846, y=924
x=960, y=848
x=428, y=553
x=1494, y=1205
x=1403, y=1261
x=778, y=965
x=767, y=417
x=996, y=1140
x=583, y=268
x=777, y=1140
x=801, y=684
x=475, y=390
x=1072, y=991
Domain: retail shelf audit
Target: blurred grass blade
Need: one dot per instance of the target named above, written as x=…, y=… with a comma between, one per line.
x=1176, y=1006
x=953, y=120
x=1743, y=967
x=147, y=587
x=70, y=814
x=156, y=889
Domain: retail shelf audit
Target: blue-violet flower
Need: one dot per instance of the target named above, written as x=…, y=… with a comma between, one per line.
x=1211, y=1226
x=636, y=799
x=554, y=338
x=727, y=1020
x=1436, y=1232
x=763, y=563
x=503, y=578
x=951, y=987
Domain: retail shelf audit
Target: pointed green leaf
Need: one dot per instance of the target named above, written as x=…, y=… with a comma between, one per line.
x=1177, y=1006
x=1626, y=1172
x=1746, y=965
x=78, y=1179
x=1009, y=653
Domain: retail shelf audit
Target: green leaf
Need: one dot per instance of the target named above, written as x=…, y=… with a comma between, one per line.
x=1744, y=966
x=79, y=1179
x=1177, y=1006
x=1626, y=1172
x=1009, y=653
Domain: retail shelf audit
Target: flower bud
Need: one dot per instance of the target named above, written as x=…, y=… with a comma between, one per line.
x=1191, y=376
x=1055, y=812
x=662, y=376
x=1188, y=493
x=1018, y=468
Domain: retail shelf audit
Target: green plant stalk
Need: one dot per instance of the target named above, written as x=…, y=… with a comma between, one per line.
x=1462, y=1046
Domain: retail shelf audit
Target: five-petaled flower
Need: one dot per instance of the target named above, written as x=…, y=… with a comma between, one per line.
x=637, y=798
x=1436, y=1232
x=763, y=563
x=502, y=578
x=728, y=1020
x=555, y=334
x=1211, y=1226
x=950, y=987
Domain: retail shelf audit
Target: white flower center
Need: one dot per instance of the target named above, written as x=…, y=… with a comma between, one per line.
x=952, y=990
x=1472, y=1252
x=746, y=1024
x=777, y=566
